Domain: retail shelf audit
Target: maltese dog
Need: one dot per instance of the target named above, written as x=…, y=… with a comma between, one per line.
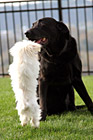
x=24, y=73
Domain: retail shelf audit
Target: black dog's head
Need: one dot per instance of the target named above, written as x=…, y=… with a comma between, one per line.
x=50, y=33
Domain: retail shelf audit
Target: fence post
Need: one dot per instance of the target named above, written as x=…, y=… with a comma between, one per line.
x=60, y=10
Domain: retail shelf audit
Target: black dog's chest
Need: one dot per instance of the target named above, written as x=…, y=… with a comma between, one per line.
x=52, y=72
x=48, y=68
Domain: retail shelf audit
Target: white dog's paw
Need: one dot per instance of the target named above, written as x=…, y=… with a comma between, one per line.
x=24, y=121
x=35, y=123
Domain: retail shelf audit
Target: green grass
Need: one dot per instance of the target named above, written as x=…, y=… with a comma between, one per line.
x=77, y=125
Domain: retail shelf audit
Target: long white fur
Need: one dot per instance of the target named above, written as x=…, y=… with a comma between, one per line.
x=24, y=73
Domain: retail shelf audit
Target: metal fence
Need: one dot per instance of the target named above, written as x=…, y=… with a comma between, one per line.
x=17, y=16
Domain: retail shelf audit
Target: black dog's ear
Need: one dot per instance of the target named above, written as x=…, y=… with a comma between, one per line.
x=63, y=28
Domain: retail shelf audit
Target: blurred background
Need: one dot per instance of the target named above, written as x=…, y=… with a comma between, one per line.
x=17, y=16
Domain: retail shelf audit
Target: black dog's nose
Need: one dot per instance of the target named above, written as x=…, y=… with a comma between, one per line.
x=27, y=33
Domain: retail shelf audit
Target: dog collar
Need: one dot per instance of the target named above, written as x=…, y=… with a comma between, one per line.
x=63, y=50
x=51, y=56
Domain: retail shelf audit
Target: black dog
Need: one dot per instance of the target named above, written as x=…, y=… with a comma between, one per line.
x=60, y=68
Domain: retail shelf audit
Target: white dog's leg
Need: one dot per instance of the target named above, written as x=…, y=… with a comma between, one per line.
x=23, y=108
x=25, y=116
x=35, y=115
x=28, y=109
x=24, y=119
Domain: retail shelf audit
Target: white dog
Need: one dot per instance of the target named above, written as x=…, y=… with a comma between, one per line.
x=24, y=73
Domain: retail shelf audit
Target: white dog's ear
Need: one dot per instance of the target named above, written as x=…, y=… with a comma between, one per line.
x=63, y=28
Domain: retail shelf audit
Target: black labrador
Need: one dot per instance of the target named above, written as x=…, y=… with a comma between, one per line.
x=60, y=69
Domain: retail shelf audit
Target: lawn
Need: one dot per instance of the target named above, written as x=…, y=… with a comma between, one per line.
x=77, y=125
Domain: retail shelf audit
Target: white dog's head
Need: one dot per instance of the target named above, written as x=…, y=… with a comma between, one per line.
x=28, y=47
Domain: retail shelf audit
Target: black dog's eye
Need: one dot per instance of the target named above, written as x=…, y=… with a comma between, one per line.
x=34, y=24
x=41, y=24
